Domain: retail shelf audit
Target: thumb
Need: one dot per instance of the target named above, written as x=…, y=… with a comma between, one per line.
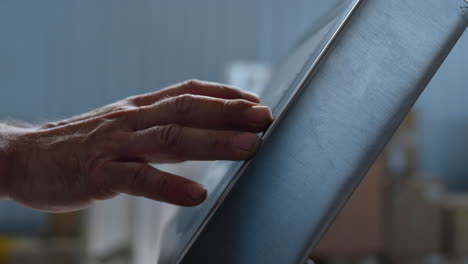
x=141, y=179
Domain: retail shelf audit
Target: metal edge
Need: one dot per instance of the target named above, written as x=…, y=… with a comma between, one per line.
x=334, y=213
x=304, y=81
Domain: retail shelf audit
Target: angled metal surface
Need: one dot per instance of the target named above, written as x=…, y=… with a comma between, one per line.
x=175, y=236
x=331, y=134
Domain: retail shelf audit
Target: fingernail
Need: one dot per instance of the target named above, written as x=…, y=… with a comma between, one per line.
x=196, y=192
x=245, y=141
x=252, y=97
x=258, y=114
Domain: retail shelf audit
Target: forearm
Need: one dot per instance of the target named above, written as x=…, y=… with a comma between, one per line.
x=8, y=133
x=4, y=159
x=66, y=165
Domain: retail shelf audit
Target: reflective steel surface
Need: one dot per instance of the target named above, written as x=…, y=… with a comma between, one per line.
x=332, y=133
x=178, y=227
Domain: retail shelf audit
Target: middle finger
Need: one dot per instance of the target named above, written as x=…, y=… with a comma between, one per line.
x=204, y=112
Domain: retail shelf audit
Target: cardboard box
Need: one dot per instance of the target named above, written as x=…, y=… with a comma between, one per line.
x=414, y=221
x=25, y=250
x=455, y=209
x=403, y=156
x=350, y=260
x=462, y=260
x=67, y=225
x=430, y=259
x=358, y=229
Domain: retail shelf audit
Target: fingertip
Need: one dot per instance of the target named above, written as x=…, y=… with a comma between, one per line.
x=195, y=193
x=256, y=118
x=259, y=114
x=245, y=145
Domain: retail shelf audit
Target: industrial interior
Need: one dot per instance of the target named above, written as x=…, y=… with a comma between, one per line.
x=62, y=58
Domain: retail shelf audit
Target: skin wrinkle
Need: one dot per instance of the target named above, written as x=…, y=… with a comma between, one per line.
x=4, y=165
x=66, y=165
x=169, y=138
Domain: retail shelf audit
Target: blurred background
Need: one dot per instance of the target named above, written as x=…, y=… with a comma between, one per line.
x=62, y=58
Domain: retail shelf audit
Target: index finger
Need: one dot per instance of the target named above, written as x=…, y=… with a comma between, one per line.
x=196, y=87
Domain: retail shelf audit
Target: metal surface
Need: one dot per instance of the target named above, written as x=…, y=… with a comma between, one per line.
x=181, y=226
x=332, y=133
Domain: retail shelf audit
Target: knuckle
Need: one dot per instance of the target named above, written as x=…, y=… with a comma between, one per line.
x=142, y=100
x=163, y=186
x=192, y=83
x=139, y=178
x=191, y=86
x=233, y=111
x=231, y=107
x=100, y=187
x=125, y=115
x=217, y=141
x=125, y=109
x=121, y=112
x=132, y=100
x=127, y=104
x=62, y=123
x=54, y=124
x=227, y=113
x=50, y=125
x=226, y=109
x=134, y=117
x=169, y=136
x=229, y=90
x=183, y=103
x=104, y=139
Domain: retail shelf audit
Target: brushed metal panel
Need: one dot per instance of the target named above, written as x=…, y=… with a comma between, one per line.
x=179, y=229
x=332, y=133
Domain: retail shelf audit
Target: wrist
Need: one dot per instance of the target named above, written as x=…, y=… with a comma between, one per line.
x=8, y=136
x=5, y=164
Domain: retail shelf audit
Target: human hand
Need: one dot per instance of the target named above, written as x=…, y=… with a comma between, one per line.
x=66, y=166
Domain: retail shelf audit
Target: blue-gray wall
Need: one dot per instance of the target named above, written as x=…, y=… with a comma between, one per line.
x=59, y=58
x=443, y=120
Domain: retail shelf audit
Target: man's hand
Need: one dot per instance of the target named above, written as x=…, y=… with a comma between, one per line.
x=65, y=166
